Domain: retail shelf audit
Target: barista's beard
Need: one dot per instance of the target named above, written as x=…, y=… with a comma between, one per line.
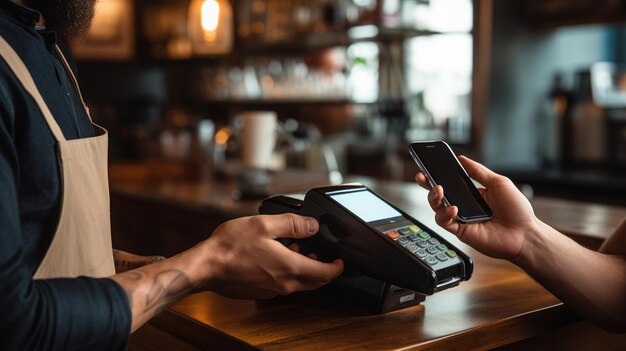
x=70, y=19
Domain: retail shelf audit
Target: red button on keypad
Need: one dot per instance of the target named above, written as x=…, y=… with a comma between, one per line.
x=393, y=234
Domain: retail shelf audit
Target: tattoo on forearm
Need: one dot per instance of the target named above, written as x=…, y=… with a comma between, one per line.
x=166, y=288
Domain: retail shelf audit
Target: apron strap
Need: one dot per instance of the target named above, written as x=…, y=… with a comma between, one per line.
x=74, y=80
x=23, y=75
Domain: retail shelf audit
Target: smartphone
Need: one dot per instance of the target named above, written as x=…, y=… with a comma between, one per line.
x=441, y=167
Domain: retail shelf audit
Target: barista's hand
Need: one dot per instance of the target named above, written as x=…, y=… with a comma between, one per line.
x=513, y=217
x=245, y=260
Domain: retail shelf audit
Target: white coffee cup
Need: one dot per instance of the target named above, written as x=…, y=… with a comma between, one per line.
x=258, y=138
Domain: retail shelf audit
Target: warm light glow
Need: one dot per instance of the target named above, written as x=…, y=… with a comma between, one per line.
x=210, y=13
x=222, y=136
x=210, y=26
x=105, y=26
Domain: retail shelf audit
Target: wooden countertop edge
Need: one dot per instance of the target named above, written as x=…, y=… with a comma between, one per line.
x=197, y=334
x=488, y=336
x=506, y=331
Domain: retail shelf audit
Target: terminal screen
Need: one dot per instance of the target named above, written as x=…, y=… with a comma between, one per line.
x=365, y=205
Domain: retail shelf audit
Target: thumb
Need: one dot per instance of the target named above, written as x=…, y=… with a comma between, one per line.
x=288, y=226
x=478, y=172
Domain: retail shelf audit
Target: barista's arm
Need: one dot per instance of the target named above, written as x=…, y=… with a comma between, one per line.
x=242, y=259
x=47, y=314
x=589, y=282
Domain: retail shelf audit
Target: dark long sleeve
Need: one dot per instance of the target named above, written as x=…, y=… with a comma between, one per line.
x=54, y=314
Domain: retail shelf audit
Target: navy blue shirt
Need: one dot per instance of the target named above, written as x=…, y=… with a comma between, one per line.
x=63, y=314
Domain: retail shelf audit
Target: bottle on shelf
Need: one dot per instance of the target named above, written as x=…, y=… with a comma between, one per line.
x=587, y=127
x=551, y=126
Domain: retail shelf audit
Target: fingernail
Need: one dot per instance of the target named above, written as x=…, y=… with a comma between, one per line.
x=311, y=225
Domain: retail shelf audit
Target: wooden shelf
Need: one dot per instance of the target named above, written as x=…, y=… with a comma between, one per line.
x=317, y=41
x=285, y=102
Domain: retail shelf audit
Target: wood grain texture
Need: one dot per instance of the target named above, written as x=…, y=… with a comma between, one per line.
x=498, y=306
x=501, y=305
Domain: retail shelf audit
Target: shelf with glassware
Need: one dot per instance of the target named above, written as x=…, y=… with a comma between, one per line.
x=180, y=30
x=300, y=63
x=332, y=76
x=285, y=53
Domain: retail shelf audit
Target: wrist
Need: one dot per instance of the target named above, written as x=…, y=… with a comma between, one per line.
x=537, y=239
x=196, y=262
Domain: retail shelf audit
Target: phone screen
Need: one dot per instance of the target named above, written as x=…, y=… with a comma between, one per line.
x=445, y=170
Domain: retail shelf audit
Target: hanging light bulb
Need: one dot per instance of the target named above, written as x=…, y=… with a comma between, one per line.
x=211, y=26
x=210, y=19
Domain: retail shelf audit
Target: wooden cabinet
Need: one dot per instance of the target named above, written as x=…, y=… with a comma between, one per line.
x=168, y=217
x=148, y=227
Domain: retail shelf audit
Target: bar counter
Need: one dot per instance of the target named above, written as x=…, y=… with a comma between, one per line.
x=499, y=307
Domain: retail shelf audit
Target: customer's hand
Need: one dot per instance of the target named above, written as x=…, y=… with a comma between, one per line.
x=245, y=260
x=513, y=217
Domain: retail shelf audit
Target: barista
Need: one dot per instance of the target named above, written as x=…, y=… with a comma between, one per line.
x=59, y=288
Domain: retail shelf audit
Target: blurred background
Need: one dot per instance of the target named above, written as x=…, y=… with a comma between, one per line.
x=535, y=89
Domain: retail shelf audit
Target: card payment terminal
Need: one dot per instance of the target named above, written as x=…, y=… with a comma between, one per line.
x=388, y=254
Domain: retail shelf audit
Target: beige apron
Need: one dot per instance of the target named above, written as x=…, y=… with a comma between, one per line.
x=82, y=241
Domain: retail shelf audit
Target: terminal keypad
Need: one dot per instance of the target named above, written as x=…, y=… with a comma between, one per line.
x=421, y=244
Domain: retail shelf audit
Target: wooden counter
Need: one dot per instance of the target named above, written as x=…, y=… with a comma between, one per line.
x=501, y=306
x=166, y=217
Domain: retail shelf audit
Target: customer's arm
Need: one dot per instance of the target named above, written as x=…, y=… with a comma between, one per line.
x=242, y=259
x=589, y=282
x=616, y=243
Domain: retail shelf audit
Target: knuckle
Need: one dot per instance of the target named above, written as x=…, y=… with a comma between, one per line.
x=326, y=276
x=432, y=196
x=284, y=289
x=291, y=271
x=260, y=223
x=504, y=181
x=441, y=218
x=294, y=223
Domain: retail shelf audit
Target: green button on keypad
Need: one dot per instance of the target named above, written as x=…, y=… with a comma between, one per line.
x=451, y=253
x=423, y=235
